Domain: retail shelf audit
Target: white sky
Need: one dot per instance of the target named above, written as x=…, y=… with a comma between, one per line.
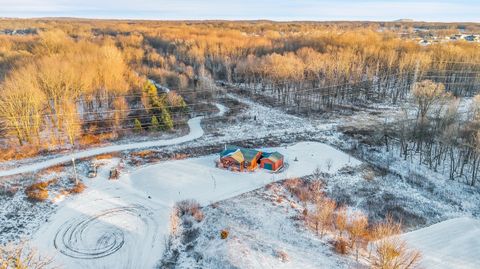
x=426, y=10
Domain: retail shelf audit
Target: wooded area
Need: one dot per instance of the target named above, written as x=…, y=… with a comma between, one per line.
x=70, y=79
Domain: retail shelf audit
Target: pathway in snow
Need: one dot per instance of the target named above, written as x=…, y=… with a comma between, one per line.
x=221, y=109
x=196, y=131
x=124, y=223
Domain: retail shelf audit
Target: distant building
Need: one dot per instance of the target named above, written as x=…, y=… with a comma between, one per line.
x=424, y=42
x=471, y=38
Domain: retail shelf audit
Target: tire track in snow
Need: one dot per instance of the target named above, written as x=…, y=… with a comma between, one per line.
x=98, y=236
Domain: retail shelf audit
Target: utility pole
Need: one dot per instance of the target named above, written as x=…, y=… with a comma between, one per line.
x=75, y=170
x=415, y=76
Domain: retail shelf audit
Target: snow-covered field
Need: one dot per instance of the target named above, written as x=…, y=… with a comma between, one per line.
x=454, y=243
x=116, y=224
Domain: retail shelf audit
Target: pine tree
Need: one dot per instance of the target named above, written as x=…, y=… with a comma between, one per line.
x=167, y=119
x=137, y=126
x=155, y=125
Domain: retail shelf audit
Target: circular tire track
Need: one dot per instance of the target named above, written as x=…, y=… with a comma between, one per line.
x=93, y=237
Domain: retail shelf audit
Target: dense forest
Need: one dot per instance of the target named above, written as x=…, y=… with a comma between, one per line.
x=70, y=82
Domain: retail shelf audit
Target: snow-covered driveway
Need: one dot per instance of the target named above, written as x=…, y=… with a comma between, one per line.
x=124, y=223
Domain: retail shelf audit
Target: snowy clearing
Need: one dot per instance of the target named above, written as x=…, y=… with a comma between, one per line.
x=454, y=243
x=114, y=223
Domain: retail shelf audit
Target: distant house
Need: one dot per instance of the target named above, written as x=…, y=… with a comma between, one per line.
x=241, y=159
x=271, y=161
x=471, y=38
x=424, y=42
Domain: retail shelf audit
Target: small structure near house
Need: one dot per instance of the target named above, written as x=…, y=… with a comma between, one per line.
x=114, y=174
x=271, y=161
x=241, y=159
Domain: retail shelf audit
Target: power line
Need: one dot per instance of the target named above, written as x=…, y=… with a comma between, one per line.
x=144, y=117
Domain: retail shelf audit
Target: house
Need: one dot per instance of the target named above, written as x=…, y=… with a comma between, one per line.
x=240, y=159
x=271, y=161
x=471, y=38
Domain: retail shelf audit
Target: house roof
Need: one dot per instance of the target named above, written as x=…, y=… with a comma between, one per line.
x=273, y=156
x=236, y=155
x=248, y=154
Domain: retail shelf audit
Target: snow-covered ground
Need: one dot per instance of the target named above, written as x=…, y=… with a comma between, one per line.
x=124, y=223
x=110, y=225
x=264, y=232
x=454, y=243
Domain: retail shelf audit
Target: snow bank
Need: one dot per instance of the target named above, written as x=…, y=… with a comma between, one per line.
x=454, y=243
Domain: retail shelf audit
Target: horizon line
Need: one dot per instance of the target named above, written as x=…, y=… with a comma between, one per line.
x=404, y=20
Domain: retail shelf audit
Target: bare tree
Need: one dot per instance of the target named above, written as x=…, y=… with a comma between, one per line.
x=341, y=219
x=393, y=253
x=426, y=94
x=22, y=257
x=357, y=229
x=323, y=215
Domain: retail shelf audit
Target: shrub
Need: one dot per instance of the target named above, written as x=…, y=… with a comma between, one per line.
x=292, y=183
x=54, y=169
x=198, y=215
x=282, y=255
x=38, y=191
x=78, y=188
x=190, y=207
x=14, y=152
x=369, y=175
x=393, y=253
x=22, y=257
x=89, y=139
x=305, y=191
x=180, y=156
x=223, y=234
x=107, y=156
x=341, y=245
x=143, y=154
x=38, y=195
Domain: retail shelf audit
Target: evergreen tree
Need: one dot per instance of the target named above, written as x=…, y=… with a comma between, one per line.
x=156, y=103
x=137, y=126
x=155, y=125
x=167, y=119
